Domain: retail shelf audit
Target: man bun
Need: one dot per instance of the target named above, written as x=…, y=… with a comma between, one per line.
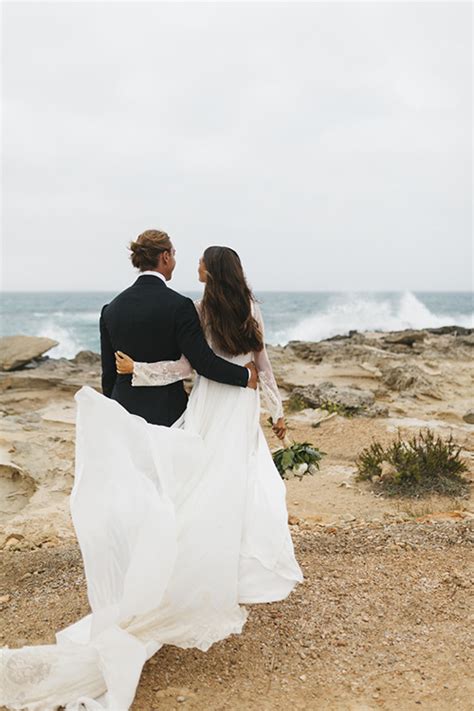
x=146, y=249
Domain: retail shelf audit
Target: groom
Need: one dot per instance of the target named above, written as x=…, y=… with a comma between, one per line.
x=151, y=322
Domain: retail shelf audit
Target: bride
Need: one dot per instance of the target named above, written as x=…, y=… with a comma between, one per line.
x=179, y=527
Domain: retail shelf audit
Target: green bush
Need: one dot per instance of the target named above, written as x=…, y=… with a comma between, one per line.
x=299, y=453
x=344, y=410
x=422, y=465
x=297, y=403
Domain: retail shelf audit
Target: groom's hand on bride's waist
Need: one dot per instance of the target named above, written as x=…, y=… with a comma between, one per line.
x=253, y=375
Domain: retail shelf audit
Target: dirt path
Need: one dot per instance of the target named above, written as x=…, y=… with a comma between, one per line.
x=381, y=622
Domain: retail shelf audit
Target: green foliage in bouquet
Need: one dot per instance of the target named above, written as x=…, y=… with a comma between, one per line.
x=422, y=465
x=298, y=453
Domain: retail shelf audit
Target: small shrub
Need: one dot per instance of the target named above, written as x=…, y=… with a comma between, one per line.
x=422, y=465
x=290, y=458
x=295, y=404
x=344, y=410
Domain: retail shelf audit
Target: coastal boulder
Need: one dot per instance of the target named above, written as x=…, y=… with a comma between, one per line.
x=305, y=350
x=16, y=351
x=86, y=358
x=469, y=417
x=409, y=378
x=467, y=340
x=349, y=400
x=405, y=338
x=451, y=330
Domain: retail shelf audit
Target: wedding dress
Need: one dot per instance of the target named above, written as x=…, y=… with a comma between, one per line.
x=178, y=528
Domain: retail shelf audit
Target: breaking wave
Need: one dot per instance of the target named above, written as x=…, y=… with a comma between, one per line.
x=369, y=313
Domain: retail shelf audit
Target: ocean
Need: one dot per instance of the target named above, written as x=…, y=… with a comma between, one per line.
x=72, y=317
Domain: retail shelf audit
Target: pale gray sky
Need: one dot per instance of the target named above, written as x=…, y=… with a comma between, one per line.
x=329, y=143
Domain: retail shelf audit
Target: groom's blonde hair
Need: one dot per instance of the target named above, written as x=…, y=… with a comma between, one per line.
x=146, y=249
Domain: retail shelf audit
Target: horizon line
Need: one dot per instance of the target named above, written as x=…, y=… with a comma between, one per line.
x=271, y=291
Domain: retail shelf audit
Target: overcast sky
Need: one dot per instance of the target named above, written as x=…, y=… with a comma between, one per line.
x=329, y=143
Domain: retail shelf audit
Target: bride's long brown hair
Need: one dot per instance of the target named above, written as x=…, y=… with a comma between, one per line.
x=226, y=307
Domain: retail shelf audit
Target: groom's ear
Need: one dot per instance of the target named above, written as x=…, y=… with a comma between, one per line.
x=162, y=260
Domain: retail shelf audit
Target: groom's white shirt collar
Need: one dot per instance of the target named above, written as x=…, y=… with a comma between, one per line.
x=157, y=274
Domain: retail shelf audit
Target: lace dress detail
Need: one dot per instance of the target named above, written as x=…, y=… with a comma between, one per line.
x=163, y=372
x=268, y=384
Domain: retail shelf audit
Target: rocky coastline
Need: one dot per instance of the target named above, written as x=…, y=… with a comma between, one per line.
x=384, y=381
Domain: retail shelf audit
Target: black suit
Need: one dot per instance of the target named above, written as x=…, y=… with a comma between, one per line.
x=151, y=322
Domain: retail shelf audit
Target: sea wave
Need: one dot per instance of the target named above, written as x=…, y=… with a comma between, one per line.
x=79, y=316
x=67, y=346
x=366, y=313
x=91, y=317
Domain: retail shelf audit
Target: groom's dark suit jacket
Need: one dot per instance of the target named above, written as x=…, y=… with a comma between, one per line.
x=151, y=322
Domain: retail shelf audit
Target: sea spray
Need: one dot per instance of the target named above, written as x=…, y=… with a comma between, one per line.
x=366, y=312
x=67, y=346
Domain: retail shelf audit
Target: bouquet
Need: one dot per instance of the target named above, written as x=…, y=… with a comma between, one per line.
x=297, y=459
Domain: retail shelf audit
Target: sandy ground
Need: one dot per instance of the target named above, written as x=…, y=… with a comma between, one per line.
x=380, y=622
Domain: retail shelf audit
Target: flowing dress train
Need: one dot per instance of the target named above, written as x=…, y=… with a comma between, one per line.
x=178, y=528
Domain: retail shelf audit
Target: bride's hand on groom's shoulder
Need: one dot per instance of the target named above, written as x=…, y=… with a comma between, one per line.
x=123, y=363
x=253, y=379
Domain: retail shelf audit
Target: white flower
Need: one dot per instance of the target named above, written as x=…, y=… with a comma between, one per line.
x=300, y=469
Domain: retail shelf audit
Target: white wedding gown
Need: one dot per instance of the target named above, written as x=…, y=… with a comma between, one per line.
x=178, y=527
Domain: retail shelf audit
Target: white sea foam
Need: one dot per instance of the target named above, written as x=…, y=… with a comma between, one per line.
x=68, y=346
x=88, y=317
x=367, y=313
x=78, y=316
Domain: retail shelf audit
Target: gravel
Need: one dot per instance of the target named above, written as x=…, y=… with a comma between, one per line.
x=380, y=622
